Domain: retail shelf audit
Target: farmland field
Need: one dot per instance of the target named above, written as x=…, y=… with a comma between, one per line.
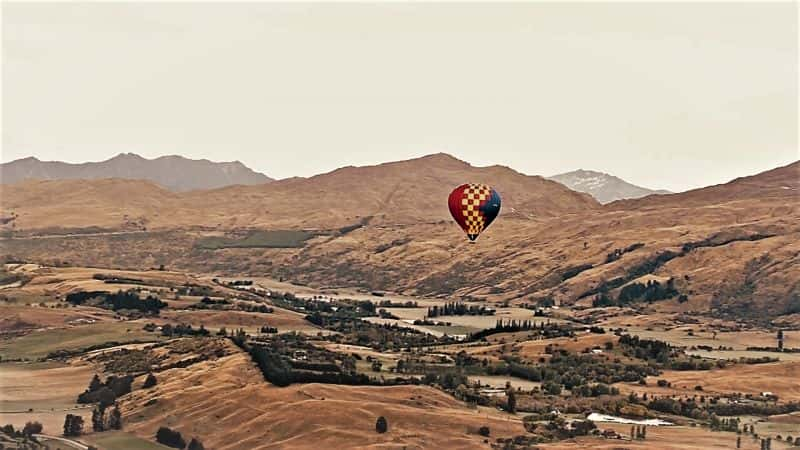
x=40, y=343
x=499, y=381
x=117, y=440
x=21, y=390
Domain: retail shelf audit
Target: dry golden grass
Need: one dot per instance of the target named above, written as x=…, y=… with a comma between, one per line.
x=230, y=394
x=49, y=389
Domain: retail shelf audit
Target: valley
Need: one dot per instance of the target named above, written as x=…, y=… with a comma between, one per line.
x=291, y=319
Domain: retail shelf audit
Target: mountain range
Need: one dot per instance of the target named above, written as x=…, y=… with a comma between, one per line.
x=173, y=172
x=180, y=174
x=732, y=249
x=602, y=186
x=403, y=192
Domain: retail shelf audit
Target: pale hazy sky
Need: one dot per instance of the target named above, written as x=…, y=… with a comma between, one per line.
x=669, y=96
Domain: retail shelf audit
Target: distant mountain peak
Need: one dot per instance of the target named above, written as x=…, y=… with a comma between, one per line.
x=604, y=187
x=174, y=172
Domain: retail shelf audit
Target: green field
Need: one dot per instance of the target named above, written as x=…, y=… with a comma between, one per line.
x=258, y=239
x=118, y=440
x=40, y=343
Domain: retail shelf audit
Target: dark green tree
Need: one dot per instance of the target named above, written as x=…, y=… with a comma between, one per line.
x=194, y=444
x=32, y=428
x=95, y=384
x=170, y=438
x=98, y=419
x=115, y=419
x=512, y=402
x=73, y=425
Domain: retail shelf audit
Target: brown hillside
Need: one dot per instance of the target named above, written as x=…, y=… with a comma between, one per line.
x=106, y=203
x=231, y=394
x=782, y=182
x=399, y=192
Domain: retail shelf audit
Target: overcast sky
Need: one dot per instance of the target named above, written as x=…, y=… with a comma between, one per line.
x=671, y=96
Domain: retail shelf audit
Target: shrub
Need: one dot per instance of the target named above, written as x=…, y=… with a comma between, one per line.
x=32, y=428
x=150, y=381
x=381, y=425
x=73, y=425
x=170, y=438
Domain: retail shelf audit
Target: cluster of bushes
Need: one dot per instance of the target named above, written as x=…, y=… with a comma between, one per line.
x=571, y=371
x=381, y=337
x=459, y=309
x=259, y=308
x=574, y=271
x=618, y=252
x=106, y=393
x=120, y=300
x=391, y=304
x=559, y=429
x=173, y=438
x=73, y=425
x=27, y=431
x=649, y=292
x=344, y=309
x=183, y=330
x=636, y=292
x=278, y=370
x=593, y=390
x=647, y=349
x=210, y=303
x=194, y=290
x=753, y=408
x=448, y=380
x=724, y=424
x=101, y=422
x=546, y=330
x=110, y=279
x=695, y=363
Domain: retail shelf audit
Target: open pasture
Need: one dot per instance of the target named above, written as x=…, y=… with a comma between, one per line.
x=40, y=343
x=42, y=391
x=662, y=438
x=779, y=378
x=120, y=440
x=284, y=320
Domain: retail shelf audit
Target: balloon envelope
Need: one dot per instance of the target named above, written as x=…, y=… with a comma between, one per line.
x=474, y=206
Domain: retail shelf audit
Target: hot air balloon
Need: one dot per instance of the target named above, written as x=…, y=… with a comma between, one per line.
x=474, y=206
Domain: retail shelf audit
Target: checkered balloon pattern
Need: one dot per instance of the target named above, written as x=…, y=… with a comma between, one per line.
x=474, y=206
